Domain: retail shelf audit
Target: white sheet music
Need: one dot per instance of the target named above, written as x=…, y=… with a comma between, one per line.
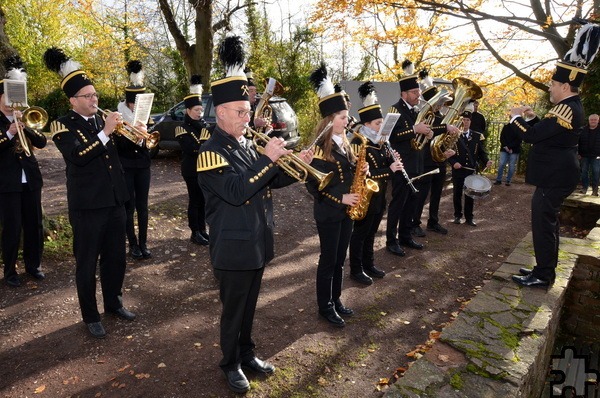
x=387, y=126
x=15, y=93
x=271, y=86
x=142, y=107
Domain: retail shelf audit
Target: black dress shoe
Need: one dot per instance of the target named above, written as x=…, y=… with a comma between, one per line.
x=395, y=249
x=122, y=313
x=13, y=281
x=374, y=272
x=145, y=252
x=412, y=244
x=498, y=183
x=39, y=275
x=437, y=228
x=96, y=329
x=471, y=223
x=456, y=220
x=205, y=235
x=362, y=278
x=341, y=310
x=418, y=231
x=135, y=252
x=525, y=271
x=508, y=184
x=237, y=381
x=530, y=281
x=259, y=366
x=332, y=317
x=198, y=239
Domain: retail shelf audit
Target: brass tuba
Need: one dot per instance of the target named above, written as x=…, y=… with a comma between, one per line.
x=34, y=118
x=361, y=185
x=464, y=90
x=427, y=116
x=263, y=109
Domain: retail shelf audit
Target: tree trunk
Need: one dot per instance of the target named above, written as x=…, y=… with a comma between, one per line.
x=6, y=49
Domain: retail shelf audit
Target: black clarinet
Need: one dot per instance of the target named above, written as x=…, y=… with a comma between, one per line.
x=404, y=173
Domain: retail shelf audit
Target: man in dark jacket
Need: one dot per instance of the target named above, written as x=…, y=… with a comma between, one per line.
x=510, y=148
x=236, y=181
x=589, y=151
x=96, y=193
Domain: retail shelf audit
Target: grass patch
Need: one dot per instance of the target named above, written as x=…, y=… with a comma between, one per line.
x=58, y=238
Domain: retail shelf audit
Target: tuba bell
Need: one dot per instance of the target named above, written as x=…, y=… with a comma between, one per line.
x=464, y=90
x=427, y=116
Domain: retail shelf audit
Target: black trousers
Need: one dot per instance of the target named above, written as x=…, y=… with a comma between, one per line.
x=334, y=238
x=195, y=210
x=424, y=186
x=99, y=233
x=545, y=210
x=239, y=294
x=22, y=210
x=458, y=181
x=437, y=186
x=400, y=211
x=138, y=185
x=361, y=242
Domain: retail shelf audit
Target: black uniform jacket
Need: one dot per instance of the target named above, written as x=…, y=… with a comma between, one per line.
x=470, y=152
x=328, y=206
x=94, y=173
x=510, y=138
x=403, y=133
x=236, y=185
x=191, y=135
x=132, y=155
x=379, y=168
x=589, y=142
x=552, y=158
x=13, y=163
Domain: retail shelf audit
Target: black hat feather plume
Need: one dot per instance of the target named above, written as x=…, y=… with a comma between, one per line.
x=408, y=67
x=136, y=74
x=321, y=82
x=196, y=84
x=14, y=68
x=367, y=93
x=57, y=61
x=232, y=55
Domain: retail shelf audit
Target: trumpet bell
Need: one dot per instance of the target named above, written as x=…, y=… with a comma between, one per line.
x=152, y=140
x=35, y=117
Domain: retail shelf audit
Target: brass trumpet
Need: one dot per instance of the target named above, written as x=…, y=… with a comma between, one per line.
x=292, y=164
x=133, y=133
x=34, y=118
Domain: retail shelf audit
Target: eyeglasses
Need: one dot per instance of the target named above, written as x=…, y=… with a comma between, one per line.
x=241, y=112
x=87, y=96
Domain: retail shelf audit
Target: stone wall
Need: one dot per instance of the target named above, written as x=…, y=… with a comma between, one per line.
x=500, y=344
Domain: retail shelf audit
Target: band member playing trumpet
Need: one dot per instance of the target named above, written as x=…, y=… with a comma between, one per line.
x=382, y=166
x=96, y=193
x=135, y=158
x=191, y=135
x=236, y=182
x=469, y=156
x=552, y=165
x=20, y=187
x=332, y=154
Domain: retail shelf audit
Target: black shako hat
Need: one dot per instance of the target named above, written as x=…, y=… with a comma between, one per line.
x=234, y=86
x=371, y=110
x=14, y=70
x=136, y=80
x=195, y=96
x=74, y=79
x=573, y=68
x=330, y=101
x=410, y=80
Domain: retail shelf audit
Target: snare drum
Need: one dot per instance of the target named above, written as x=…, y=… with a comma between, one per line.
x=477, y=186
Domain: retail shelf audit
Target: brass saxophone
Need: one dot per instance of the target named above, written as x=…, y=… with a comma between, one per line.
x=361, y=185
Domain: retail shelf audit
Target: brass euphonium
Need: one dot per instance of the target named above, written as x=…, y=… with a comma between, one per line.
x=427, y=116
x=361, y=185
x=291, y=164
x=464, y=90
x=263, y=109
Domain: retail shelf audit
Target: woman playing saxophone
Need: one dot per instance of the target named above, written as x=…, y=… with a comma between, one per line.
x=382, y=166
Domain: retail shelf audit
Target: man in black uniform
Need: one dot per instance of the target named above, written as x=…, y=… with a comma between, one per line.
x=236, y=183
x=20, y=188
x=96, y=193
x=552, y=165
x=470, y=154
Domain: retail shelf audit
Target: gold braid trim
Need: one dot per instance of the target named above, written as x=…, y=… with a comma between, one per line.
x=180, y=131
x=318, y=153
x=210, y=161
x=57, y=127
x=563, y=114
x=204, y=134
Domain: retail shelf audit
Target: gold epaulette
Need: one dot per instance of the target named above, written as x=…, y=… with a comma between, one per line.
x=57, y=127
x=179, y=131
x=318, y=153
x=204, y=134
x=392, y=110
x=209, y=161
x=563, y=114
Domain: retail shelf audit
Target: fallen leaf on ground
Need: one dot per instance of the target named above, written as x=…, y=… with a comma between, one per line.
x=40, y=389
